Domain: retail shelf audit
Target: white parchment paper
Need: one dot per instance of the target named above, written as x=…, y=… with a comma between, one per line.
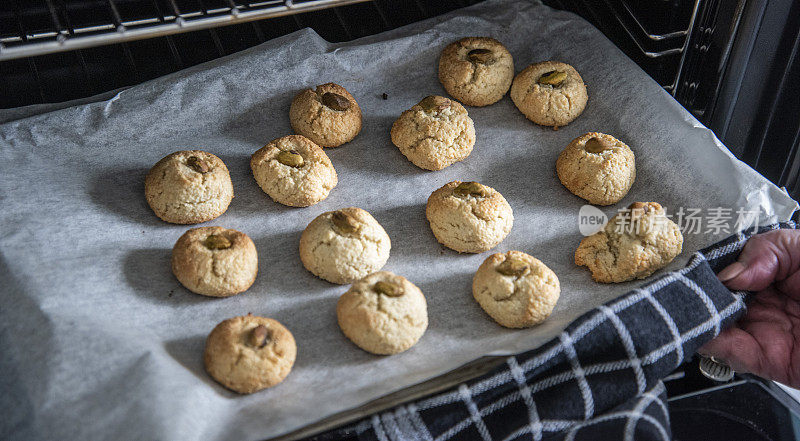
x=98, y=339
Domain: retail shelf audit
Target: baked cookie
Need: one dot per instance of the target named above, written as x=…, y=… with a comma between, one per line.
x=435, y=133
x=469, y=217
x=383, y=313
x=550, y=93
x=329, y=115
x=597, y=167
x=476, y=70
x=516, y=289
x=215, y=261
x=634, y=244
x=249, y=353
x=345, y=245
x=188, y=187
x=294, y=171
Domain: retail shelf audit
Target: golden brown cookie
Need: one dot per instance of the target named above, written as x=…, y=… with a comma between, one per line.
x=476, y=70
x=215, y=261
x=328, y=115
x=633, y=245
x=249, y=353
x=345, y=245
x=294, y=171
x=550, y=93
x=597, y=167
x=469, y=217
x=383, y=313
x=516, y=289
x=435, y=133
x=188, y=187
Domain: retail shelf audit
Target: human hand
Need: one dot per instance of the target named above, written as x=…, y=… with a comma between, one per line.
x=766, y=341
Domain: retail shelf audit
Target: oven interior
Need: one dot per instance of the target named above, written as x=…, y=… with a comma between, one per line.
x=733, y=64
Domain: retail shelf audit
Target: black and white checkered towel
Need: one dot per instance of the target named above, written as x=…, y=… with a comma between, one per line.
x=600, y=379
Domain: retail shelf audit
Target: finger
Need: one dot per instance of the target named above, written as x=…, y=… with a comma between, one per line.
x=736, y=348
x=731, y=271
x=765, y=259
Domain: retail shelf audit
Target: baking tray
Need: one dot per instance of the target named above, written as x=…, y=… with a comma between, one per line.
x=95, y=329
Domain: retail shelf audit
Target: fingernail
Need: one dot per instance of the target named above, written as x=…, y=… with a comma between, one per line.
x=731, y=271
x=719, y=360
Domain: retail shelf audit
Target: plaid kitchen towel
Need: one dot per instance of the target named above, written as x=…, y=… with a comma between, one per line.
x=600, y=379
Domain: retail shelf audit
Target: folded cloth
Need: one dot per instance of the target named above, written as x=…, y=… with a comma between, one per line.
x=600, y=379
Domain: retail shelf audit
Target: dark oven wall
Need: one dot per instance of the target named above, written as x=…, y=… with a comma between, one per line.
x=732, y=63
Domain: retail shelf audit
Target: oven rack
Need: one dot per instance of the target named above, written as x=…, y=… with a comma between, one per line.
x=655, y=36
x=645, y=44
x=167, y=17
x=676, y=39
x=170, y=17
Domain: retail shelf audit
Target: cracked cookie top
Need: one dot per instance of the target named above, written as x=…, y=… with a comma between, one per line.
x=293, y=171
x=597, y=167
x=550, y=93
x=476, y=70
x=327, y=115
x=249, y=353
x=633, y=245
x=516, y=289
x=188, y=187
x=469, y=217
x=434, y=133
x=345, y=245
x=383, y=313
x=215, y=261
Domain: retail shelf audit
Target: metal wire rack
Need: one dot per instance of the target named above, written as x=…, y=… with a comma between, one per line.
x=627, y=17
x=56, y=25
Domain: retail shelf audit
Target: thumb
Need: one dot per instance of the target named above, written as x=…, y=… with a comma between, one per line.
x=766, y=258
